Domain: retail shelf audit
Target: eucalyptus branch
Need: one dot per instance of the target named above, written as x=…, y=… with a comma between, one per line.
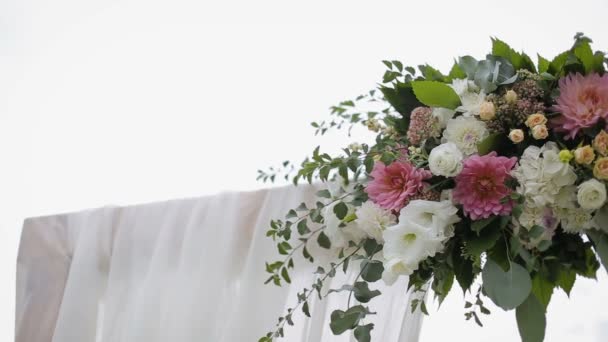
x=303, y=299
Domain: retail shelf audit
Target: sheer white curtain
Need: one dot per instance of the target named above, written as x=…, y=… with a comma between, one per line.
x=184, y=270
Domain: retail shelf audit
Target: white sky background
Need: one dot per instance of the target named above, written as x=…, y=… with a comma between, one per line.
x=118, y=102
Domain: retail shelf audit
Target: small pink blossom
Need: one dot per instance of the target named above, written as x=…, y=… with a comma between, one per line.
x=583, y=100
x=480, y=186
x=394, y=185
x=422, y=125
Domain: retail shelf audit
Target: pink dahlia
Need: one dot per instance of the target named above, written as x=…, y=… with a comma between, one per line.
x=481, y=185
x=583, y=100
x=394, y=185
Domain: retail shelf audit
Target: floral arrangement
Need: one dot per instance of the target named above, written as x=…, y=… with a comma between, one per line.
x=492, y=176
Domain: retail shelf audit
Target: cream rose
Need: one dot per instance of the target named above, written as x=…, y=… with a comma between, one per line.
x=487, y=111
x=591, y=194
x=446, y=160
x=535, y=120
x=600, y=143
x=511, y=96
x=516, y=135
x=584, y=155
x=540, y=132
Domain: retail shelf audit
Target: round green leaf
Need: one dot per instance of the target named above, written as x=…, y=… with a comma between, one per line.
x=506, y=289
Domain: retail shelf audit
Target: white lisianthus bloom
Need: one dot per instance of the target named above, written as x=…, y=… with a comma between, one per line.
x=410, y=241
x=591, y=194
x=465, y=133
x=541, y=175
x=446, y=160
x=373, y=220
x=443, y=115
x=396, y=267
x=439, y=216
x=462, y=86
x=423, y=228
x=338, y=232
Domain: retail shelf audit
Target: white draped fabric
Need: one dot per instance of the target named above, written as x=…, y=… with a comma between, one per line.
x=184, y=270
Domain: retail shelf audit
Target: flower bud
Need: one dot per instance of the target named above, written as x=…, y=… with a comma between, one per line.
x=516, y=135
x=584, y=155
x=600, y=143
x=535, y=120
x=540, y=132
x=355, y=147
x=487, y=111
x=511, y=97
x=600, y=170
x=565, y=156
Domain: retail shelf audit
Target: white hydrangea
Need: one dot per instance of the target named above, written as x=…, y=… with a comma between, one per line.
x=446, y=160
x=575, y=220
x=465, y=133
x=373, y=220
x=541, y=175
x=423, y=228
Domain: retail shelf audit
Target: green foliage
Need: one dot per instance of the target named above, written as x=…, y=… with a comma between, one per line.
x=518, y=60
x=341, y=321
x=402, y=98
x=531, y=320
x=506, y=289
x=600, y=241
x=436, y=94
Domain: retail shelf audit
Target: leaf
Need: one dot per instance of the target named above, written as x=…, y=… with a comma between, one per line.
x=436, y=94
x=531, y=320
x=463, y=270
x=566, y=280
x=487, y=239
x=456, y=72
x=362, y=292
x=324, y=193
x=340, y=209
x=518, y=60
x=305, y=309
x=362, y=332
x=323, y=241
x=491, y=143
x=478, y=225
x=285, y=275
x=346, y=320
x=506, y=289
x=402, y=98
x=372, y=270
x=600, y=240
x=542, y=289
x=468, y=64
x=543, y=64
x=584, y=53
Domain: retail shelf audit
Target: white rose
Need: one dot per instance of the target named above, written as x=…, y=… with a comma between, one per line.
x=446, y=160
x=591, y=194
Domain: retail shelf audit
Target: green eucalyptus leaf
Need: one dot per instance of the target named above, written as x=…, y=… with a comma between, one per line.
x=506, y=289
x=371, y=270
x=363, y=332
x=468, y=65
x=362, y=292
x=531, y=320
x=340, y=209
x=323, y=241
x=436, y=94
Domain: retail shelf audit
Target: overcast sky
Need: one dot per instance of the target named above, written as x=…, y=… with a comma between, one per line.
x=118, y=102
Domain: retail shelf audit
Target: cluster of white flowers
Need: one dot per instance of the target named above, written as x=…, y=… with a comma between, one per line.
x=423, y=228
x=541, y=175
x=547, y=183
x=471, y=97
